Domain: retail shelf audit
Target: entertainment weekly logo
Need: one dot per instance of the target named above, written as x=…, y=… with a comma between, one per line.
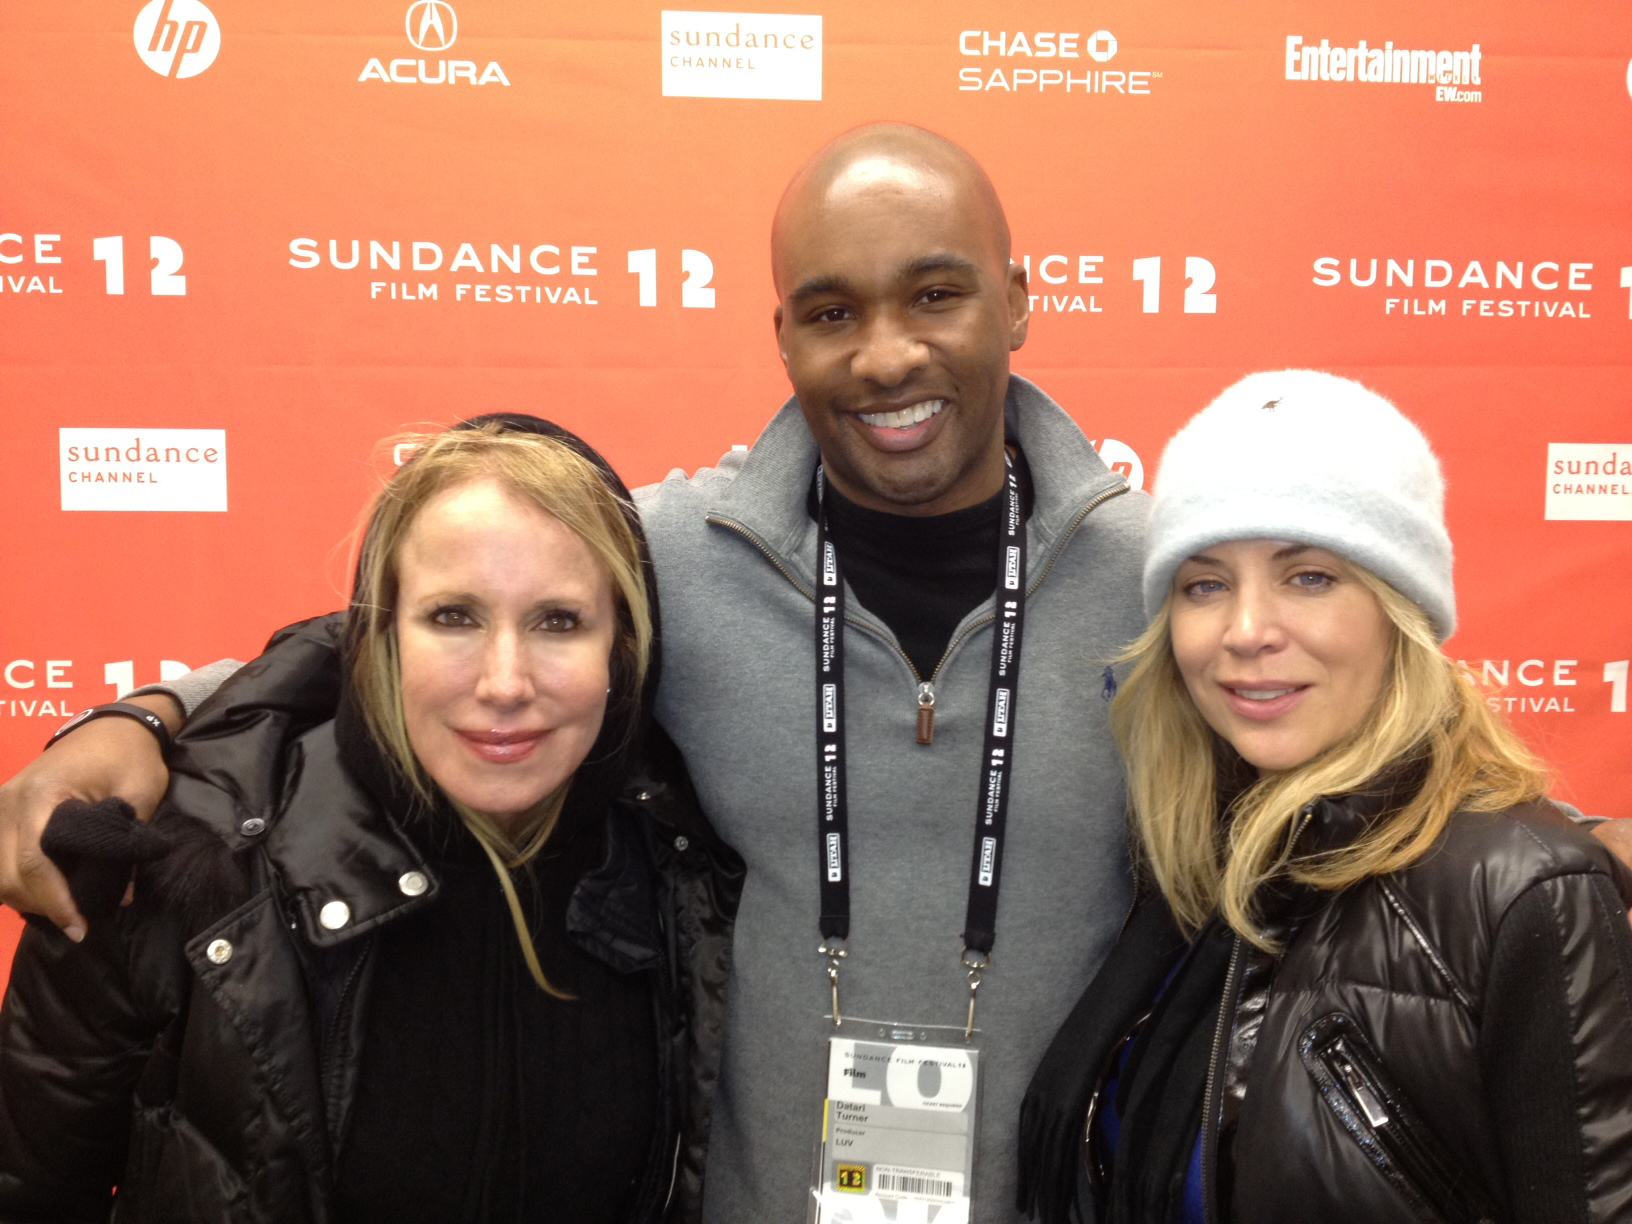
x=143, y=469
x=1447, y=71
x=1589, y=482
x=775, y=56
x=177, y=38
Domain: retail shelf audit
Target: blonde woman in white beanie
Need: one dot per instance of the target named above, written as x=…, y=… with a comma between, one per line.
x=1373, y=974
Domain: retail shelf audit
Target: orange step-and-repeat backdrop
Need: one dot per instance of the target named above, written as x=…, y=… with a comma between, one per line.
x=241, y=243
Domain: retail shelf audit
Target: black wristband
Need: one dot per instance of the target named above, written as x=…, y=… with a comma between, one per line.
x=122, y=709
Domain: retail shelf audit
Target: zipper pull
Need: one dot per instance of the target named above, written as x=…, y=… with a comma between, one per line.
x=1362, y=1093
x=926, y=713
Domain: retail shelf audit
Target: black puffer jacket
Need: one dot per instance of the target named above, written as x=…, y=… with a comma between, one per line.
x=204, y=1048
x=201, y=1051
x=1452, y=1042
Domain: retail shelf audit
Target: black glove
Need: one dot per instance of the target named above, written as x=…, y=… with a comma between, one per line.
x=97, y=846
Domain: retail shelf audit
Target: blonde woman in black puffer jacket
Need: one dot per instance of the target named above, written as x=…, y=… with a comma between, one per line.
x=454, y=952
x=1373, y=975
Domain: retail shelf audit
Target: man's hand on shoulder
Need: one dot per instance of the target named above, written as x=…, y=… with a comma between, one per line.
x=103, y=758
x=1617, y=835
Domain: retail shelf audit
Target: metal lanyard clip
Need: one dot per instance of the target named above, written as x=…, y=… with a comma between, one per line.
x=974, y=964
x=834, y=950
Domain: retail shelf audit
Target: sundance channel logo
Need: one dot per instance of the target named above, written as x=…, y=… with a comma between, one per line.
x=143, y=469
x=742, y=55
x=1589, y=482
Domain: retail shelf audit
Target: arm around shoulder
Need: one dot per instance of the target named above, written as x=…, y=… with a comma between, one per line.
x=295, y=683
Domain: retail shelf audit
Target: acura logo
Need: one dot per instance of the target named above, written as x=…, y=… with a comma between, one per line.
x=432, y=25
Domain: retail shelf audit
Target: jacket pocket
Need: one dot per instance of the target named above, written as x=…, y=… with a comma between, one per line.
x=175, y=1174
x=1380, y=1118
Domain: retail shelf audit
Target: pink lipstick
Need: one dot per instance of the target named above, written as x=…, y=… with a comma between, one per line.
x=501, y=747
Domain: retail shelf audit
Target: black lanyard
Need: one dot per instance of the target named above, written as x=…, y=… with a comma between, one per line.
x=992, y=803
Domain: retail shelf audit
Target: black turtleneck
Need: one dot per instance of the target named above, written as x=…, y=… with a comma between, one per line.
x=921, y=575
x=479, y=1097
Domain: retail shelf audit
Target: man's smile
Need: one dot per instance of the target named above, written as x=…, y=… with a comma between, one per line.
x=906, y=417
x=909, y=428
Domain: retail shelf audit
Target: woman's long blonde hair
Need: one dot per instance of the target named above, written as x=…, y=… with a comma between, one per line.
x=1428, y=713
x=549, y=473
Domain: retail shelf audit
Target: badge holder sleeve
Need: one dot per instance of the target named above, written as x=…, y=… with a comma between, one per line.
x=898, y=1125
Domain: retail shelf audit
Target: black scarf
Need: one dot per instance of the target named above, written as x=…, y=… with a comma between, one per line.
x=1159, y=1096
x=1161, y=1092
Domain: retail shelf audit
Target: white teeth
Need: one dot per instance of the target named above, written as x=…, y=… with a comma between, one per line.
x=906, y=418
x=1262, y=694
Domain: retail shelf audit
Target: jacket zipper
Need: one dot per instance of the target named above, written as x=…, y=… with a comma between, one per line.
x=926, y=712
x=342, y=1014
x=1209, y=1103
x=1212, y=1109
x=923, y=690
x=1376, y=1116
x=674, y=1172
x=770, y=553
x=671, y=934
x=1094, y=503
x=1059, y=544
x=1360, y=1093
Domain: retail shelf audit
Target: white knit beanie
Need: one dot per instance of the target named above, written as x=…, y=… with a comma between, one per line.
x=1316, y=459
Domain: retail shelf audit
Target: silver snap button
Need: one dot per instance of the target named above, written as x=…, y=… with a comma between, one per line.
x=253, y=827
x=334, y=915
x=219, y=952
x=682, y=843
x=412, y=883
x=643, y=795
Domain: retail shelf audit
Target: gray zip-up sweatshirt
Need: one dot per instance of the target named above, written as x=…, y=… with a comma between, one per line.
x=735, y=551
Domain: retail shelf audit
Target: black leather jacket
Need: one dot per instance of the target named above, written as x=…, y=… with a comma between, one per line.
x=1452, y=1042
x=206, y=1065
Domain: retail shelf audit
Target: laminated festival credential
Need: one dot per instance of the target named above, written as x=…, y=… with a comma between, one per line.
x=898, y=1126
